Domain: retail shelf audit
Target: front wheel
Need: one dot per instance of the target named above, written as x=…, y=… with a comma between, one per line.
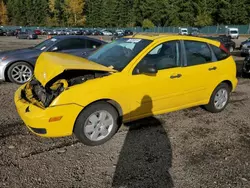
x=96, y=124
x=20, y=72
x=219, y=98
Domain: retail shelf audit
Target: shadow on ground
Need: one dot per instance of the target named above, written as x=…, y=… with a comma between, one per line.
x=146, y=156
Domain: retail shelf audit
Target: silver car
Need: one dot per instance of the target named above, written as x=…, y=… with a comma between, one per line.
x=18, y=65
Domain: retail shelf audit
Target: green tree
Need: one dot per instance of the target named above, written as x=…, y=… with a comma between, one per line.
x=109, y=13
x=94, y=13
x=203, y=13
x=147, y=24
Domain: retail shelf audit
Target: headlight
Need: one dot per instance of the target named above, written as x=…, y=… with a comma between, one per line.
x=4, y=58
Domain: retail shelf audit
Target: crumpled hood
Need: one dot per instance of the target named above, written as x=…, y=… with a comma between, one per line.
x=51, y=64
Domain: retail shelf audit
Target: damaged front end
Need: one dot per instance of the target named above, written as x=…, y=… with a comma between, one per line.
x=42, y=96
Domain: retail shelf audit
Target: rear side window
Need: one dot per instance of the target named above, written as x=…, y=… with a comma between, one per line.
x=197, y=53
x=93, y=44
x=219, y=53
x=69, y=44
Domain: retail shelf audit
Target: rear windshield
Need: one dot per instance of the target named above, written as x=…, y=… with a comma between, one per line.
x=219, y=53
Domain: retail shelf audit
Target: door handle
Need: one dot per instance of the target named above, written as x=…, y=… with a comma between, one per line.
x=212, y=68
x=176, y=76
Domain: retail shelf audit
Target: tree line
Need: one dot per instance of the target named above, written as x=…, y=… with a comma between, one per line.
x=124, y=13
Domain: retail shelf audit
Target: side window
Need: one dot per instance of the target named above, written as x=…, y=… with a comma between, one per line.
x=69, y=44
x=163, y=56
x=219, y=53
x=197, y=53
x=92, y=44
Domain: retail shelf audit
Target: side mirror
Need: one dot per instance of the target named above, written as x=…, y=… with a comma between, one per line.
x=54, y=49
x=148, y=69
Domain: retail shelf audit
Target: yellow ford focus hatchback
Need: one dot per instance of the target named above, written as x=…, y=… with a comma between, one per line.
x=128, y=79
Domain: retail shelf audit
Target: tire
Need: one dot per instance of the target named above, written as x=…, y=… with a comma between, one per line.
x=27, y=71
x=211, y=107
x=82, y=120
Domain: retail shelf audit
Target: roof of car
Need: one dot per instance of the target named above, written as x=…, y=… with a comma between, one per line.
x=171, y=36
x=82, y=37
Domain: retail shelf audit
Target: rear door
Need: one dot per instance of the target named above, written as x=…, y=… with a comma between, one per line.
x=74, y=46
x=200, y=71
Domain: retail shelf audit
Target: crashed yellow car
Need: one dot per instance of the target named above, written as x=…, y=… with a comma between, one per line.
x=128, y=79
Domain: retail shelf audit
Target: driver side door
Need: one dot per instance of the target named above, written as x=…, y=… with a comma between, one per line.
x=160, y=92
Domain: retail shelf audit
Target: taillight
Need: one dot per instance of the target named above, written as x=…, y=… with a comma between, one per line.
x=224, y=48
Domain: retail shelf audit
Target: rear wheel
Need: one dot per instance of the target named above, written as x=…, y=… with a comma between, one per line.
x=20, y=72
x=96, y=124
x=219, y=98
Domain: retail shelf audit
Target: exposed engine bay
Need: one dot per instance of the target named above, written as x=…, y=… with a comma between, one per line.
x=41, y=96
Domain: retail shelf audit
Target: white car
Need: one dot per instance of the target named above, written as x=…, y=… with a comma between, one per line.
x=107, y=33
x=119, y=32
x=232, y=32
x=183, y=31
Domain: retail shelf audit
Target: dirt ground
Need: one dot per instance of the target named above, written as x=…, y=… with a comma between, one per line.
x=186, y=149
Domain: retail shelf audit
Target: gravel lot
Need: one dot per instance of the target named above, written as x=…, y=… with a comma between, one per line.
x=188, y=148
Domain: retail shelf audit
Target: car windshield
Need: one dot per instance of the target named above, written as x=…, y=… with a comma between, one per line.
x=45, y=44
x=234, y=32
x=119, y=53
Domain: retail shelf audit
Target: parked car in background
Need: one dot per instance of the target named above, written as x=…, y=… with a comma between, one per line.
x=183, y=31
x=119, y=31
x=107, y=33
x=117, y=36
x=92, y=97
x=128, y=32
x=17, y=31
x=44, y=31
x=245, y=49
x=232, y=33
x=1, y=32
x=69, y=32
x=87, y=32
x=37, y=32
x=26, y=35
x=226, y=41
x=9, y=32
x=96, y=32
x=17, y=65
x=49, y=32
x=195, y=32
x=61, y=32
x=246, y=66
x=76, y=32
x=244, y=42
x=55, y=32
